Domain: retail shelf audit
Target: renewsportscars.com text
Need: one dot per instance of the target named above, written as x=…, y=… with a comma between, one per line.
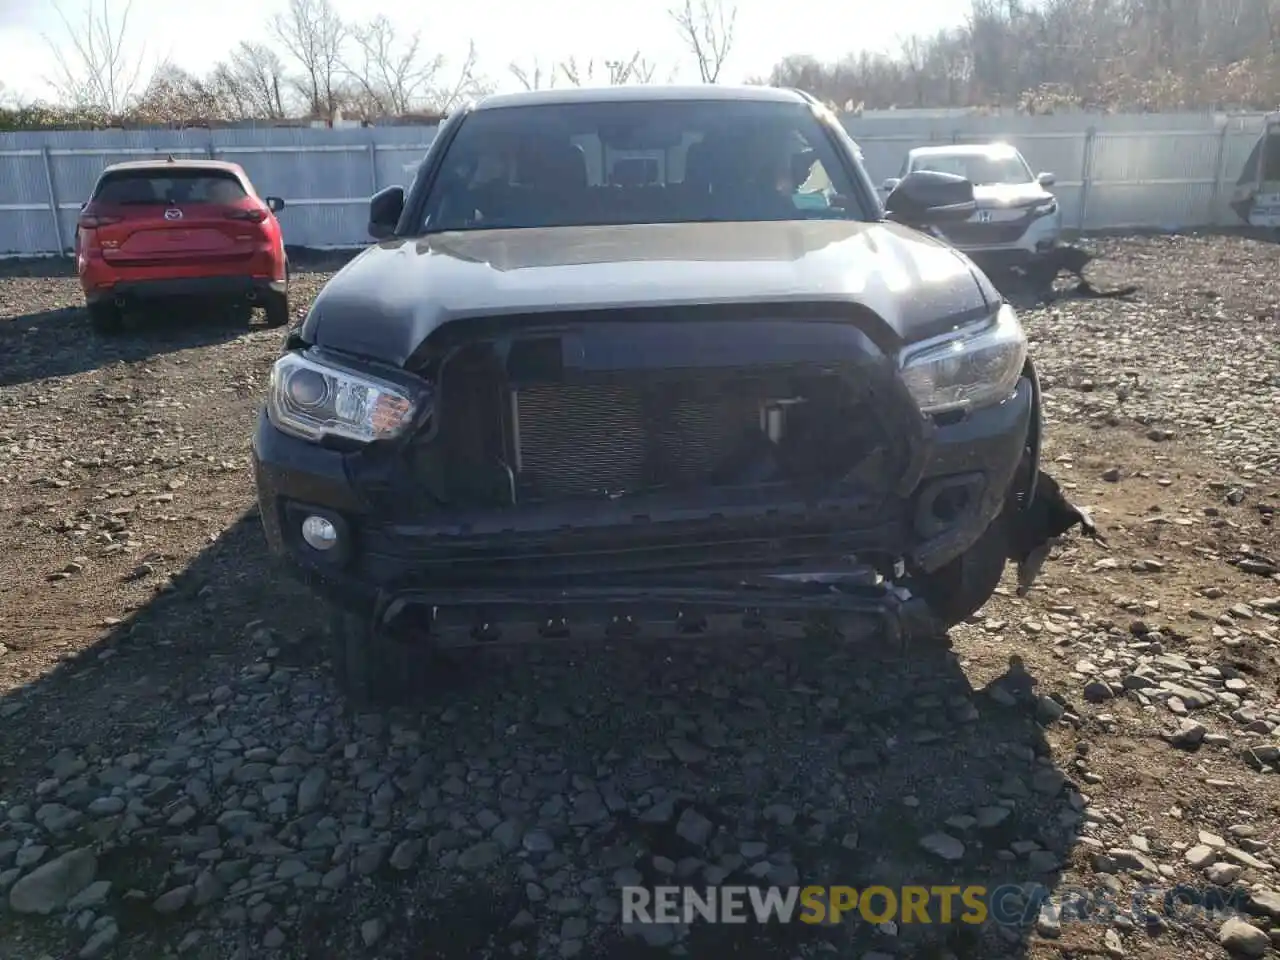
x=1008, y=904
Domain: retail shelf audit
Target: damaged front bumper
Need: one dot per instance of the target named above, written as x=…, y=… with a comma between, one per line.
x=841, y=597
x=683, y=565
x=841, y=542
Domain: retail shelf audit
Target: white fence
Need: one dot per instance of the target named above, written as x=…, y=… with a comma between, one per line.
x=1168, y=171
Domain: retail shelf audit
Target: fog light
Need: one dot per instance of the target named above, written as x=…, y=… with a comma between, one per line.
x=319, y=533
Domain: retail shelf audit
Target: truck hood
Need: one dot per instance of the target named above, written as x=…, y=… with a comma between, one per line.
x=394, y=295
x=994, y=196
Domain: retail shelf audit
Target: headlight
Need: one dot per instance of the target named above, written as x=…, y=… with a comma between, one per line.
x=314, y=398
x=970, y=368
x=1046, y=208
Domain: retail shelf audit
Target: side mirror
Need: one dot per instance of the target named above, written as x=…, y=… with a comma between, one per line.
x=926, y=197
x=274, y=204
x=385, y=208
x=891, y=184
x=1046, y=179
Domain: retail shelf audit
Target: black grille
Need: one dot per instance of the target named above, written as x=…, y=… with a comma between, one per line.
x=581, y=440
x=594, y=440
x=981, y=234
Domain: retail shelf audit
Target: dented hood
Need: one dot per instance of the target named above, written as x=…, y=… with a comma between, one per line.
x=394, y=295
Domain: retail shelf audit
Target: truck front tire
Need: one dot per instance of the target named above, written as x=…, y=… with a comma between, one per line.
x=960, y=589
x=373, y=668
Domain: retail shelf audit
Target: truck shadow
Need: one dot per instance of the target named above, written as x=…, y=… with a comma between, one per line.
x=526, y=788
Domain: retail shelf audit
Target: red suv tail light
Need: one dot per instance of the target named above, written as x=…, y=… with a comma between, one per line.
x=253, y=216
x=92, y=222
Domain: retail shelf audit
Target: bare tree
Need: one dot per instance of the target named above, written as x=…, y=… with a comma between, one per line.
x=315, y=36
x=175, y=96
x=574, y=75
x=707, y=30
x=468, y=84
x=250, y=84
x=392, y=76
x=635, y=69
x=535, y=76
x=616, y=73
x=1071, y=54
x=97, y=66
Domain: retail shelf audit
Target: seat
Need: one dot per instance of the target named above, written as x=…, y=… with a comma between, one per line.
x=552, y=164
x=698, y=166
x=551, y=182
x=743, y=184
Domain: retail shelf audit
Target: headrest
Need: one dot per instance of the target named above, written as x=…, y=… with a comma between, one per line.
x=698, y=165
x=552, y=163
x=631, y=172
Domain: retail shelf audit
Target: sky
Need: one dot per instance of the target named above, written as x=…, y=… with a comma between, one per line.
x=196, y=35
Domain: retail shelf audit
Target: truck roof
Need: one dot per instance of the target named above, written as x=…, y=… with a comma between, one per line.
x=641, y=93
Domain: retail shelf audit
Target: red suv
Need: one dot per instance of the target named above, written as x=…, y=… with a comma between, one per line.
x=156, y=229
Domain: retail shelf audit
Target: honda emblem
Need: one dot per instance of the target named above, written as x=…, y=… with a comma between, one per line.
x=984, y=216
x=173, y=213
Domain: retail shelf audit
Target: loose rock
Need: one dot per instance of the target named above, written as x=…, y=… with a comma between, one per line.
x=51, y=885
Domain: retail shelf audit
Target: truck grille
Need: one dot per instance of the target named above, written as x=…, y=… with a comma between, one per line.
x=595, y=440
x=983, y=234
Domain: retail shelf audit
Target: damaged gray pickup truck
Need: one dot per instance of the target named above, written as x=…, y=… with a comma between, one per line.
x=646, y=361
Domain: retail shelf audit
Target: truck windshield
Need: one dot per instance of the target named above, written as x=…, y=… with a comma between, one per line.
x=657, y=161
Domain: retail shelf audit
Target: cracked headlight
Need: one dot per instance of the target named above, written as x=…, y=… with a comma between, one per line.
x=313, y=398
x=970, y=368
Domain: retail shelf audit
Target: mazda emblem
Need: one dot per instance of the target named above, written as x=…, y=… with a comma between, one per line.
x=173, y=213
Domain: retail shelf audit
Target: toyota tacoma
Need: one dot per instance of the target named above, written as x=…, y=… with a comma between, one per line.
x=646, y=361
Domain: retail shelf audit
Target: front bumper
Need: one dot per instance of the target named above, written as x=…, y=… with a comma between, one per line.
x=1002, y=245
x=788, y=603
x=681, y=559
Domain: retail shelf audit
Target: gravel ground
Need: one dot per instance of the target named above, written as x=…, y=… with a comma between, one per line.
x=177, y=775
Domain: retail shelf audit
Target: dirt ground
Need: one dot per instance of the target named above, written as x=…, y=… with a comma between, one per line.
x=178, y=777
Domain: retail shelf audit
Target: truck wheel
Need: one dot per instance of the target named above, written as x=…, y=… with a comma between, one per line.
x=372, y=668
x=105, y=317
x=958, y=590
x=276, y=307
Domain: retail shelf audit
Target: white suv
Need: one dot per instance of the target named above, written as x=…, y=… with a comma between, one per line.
x=1017, y=219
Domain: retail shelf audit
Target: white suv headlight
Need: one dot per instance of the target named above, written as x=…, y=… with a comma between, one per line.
x=970, y=368
x=313, y=397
